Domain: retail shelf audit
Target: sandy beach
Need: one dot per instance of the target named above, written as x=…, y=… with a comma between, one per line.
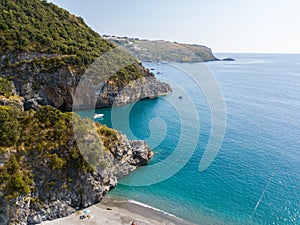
x=115, y=211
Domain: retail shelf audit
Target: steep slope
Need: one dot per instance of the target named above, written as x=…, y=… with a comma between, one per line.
x=45, y=50
x=164, y=51
x=44, y=175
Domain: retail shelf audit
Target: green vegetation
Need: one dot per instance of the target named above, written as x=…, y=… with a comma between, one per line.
x=45, y=139
x=15, y=179
x=89, y=141
x=38, y=26
x=108, y=135
x=38, y=148
x=9, y=127
x=6, y=87
x=41, y=27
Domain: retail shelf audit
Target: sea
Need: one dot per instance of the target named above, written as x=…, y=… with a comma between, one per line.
x=226, y=141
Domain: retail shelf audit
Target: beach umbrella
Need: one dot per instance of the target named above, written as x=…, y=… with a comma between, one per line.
x=86, y=211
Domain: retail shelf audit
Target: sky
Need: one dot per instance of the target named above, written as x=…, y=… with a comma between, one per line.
x=258, y=26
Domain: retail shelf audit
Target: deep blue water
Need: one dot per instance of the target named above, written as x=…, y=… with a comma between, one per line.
x=255, y=178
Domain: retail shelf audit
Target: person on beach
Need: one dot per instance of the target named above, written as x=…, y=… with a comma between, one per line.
x=133, y=223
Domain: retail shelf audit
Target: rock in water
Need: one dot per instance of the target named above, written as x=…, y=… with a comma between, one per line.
x=228, y=59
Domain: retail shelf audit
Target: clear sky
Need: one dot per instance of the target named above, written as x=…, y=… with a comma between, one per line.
x=224, y=25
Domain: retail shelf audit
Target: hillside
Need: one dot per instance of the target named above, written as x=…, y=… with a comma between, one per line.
x=163, y=51
x=38, y=26
x=45, y=50
x=53, y=163
x=45, y=173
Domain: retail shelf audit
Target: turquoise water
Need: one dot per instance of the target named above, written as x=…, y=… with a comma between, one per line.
x=255, y=178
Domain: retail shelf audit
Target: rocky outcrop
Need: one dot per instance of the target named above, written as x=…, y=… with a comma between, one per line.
x=142, y=88
x=37, y=87
x=59, y=193
x=57, y=86
x=13, y=101
x=228, y=59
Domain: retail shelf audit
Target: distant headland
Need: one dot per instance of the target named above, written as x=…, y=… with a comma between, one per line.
x=164, y=51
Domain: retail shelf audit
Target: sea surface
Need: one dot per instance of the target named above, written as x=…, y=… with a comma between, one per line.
x=255, y=177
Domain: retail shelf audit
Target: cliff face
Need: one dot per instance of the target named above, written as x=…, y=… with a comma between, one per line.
x=143, y=88
x=36, y=85
x=59, y=193
x=45, y=51
x=44, y=173
x=40, y=84
x=45, y=176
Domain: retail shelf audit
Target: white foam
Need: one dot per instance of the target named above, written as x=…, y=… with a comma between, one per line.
x=150, y=207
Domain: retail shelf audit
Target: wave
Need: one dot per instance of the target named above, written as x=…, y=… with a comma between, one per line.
x=134, y=202
x=150, y=207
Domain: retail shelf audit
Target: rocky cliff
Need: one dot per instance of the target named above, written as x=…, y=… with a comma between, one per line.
x=45, y=51
x=59, y=193
x=44, y=175
x=54, y=163
x=39, y=82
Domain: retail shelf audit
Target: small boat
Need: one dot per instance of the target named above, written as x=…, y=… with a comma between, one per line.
x=152, y=69
x=97, y=116
x=159, y=72
x=180, y=97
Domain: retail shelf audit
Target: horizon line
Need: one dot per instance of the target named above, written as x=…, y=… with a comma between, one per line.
x=241, y=52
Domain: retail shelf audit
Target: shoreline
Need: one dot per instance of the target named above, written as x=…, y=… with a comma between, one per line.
x=118, y=211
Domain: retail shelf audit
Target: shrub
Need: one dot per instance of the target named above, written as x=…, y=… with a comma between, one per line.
x=6, y=87
x=9, y=128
